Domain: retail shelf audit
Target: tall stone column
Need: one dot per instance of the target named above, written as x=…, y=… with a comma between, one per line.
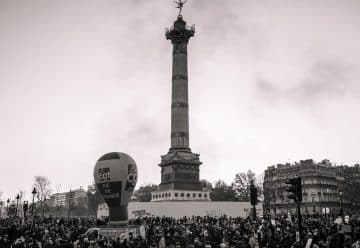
x=180, y=171
x=179, y=35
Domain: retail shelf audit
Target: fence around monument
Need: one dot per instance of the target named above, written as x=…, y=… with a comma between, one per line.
x=181, y=209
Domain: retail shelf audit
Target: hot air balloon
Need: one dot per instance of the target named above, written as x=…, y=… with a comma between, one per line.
x=115, y=176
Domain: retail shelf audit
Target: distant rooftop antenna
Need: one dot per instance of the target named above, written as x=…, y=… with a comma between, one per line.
x=180, y=5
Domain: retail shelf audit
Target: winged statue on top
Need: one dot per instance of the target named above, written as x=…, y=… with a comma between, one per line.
x=180, y=5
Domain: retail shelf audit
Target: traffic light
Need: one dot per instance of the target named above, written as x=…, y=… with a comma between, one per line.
x=295, y=189
x=25, y=206
x=253, y=194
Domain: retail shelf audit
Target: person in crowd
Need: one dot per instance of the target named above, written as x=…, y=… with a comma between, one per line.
x=195, y=232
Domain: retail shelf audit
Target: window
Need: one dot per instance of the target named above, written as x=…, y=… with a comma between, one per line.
x=205, y=195
x=200, y=195
x=182, y=194
x=194, y=195
x=188, y=195
x=176, y=194
x=162, y=195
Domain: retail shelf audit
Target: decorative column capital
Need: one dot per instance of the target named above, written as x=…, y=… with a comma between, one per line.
x=179, y=33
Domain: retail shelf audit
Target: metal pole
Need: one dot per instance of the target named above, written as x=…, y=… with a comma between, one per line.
x=274, y=195
x=43, y=208
x=299, y=219
x=32, y=207
x=17, y=205
x=254, y=212
x=25, y=208
x=69, y=205
x=253, y=199
x=7, y=207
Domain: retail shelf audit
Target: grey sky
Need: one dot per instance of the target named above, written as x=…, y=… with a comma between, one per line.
x=269, y=82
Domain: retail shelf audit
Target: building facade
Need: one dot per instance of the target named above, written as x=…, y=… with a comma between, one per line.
x=325, y=187
x=349, y=184
x=77, y=197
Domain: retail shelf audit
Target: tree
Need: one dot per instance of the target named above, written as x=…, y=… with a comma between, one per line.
x=205, y=184
x=12, y=210
x=80, y=206
x=143, y=194
x=43, y=190
x=242, y=184
x=21, y=195
x=223, y=192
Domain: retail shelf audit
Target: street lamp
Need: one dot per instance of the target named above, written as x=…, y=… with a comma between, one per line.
x=17, y=204
x=25, y=208
x=33, y=193
x=7, y=206
x=43, y=207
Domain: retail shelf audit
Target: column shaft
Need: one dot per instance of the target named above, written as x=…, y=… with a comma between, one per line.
x=179, y=104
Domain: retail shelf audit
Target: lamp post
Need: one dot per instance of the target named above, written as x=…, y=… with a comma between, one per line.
x=43, y=207
x=32, y=209
x=25, y=208
x=7, y=206
x=17, y=204
x=253, y=199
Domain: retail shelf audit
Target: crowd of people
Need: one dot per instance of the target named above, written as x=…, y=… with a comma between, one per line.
x=195, y=232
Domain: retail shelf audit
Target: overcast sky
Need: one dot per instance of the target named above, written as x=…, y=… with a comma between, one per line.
x=269, y=82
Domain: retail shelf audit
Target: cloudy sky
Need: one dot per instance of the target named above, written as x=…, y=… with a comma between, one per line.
x=269, y=82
